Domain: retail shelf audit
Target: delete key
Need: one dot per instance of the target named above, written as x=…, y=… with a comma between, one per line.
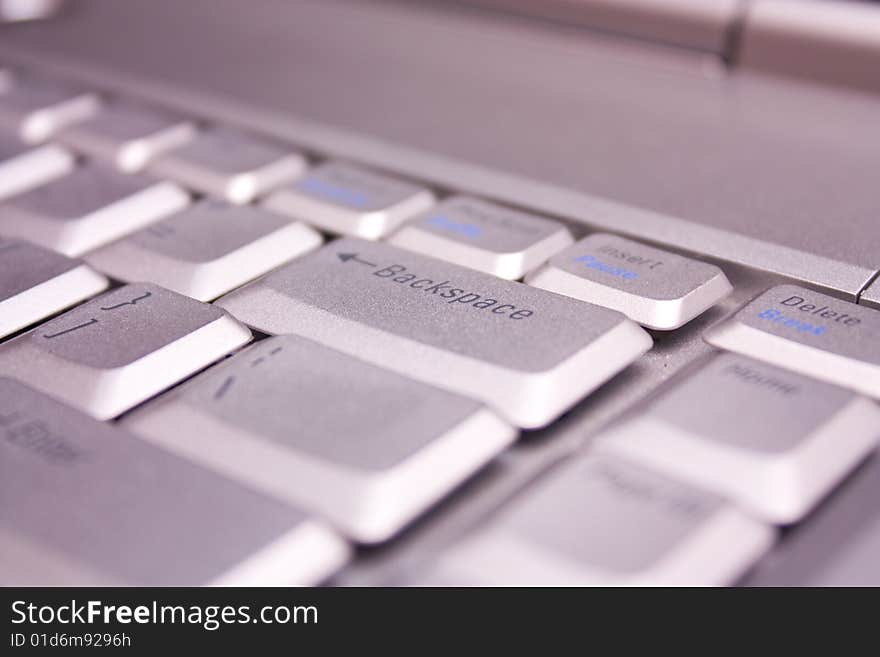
x=808, y=332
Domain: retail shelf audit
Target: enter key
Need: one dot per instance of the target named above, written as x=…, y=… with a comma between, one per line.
x=808, y=332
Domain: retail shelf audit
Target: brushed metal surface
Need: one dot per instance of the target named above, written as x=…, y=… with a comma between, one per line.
x=698, y=24
x=660, y=145
x=833, y=41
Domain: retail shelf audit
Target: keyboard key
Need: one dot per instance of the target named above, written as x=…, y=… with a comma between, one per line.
x=231, y=166
x=871, y=296
x=837, y=546
x=342, y=198
x=484, y=236
x=115, y=351
x=128, y=136
x=527, y=353
x=90, y=207
x=23, y=168
x=769, y=439
x=36, y=283
x=655, y=288
x=810, y=333
x=87, y=504
x=36, y=110
x=207, y=250
x=366, y=448
x=601, y=522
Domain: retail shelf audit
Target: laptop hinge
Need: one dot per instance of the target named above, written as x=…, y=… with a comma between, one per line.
x=831, y=41
x=701, y=25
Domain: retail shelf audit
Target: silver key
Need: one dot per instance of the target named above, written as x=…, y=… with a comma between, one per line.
x=35, y=110
x=36, y=283
x=656, y=288
x=527, y=353
x=769, y=439
x=128, y=136
x=117, y=350
x=871, y=296
x=484, y=236
x=23, y=168
x=87, y=504
x=602, y=522
x=207, y=250
x=343, y=198
x=808, y=332
x=90, y=207
x=837, y=546
x=229, y=165
x=364, y=447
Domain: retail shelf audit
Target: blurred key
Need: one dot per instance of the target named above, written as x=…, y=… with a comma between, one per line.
x=773, y=441
x=808, y=332
x=88, y=208
x=343, y=198
x=23, y=167
x=656, y=288
x=87, y=504
x=484, y=236
x=117, y=350
x=839, y=543
x=128, y=136
x=527, y=353
x=603, y=522
x=35, y=110
x=364, y=447
x=230, y=165
x=207, y=250
x=36, y=283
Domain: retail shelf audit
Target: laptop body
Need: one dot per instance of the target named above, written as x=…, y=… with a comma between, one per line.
x=673, y=133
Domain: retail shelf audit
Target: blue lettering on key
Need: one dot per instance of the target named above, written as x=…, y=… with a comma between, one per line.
x=443, y=222
x=778, y=317
x=594, y=263
x=336, y=193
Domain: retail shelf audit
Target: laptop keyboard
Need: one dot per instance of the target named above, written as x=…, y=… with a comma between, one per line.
x=394, y=354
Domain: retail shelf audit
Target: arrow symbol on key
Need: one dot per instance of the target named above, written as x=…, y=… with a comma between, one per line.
x=345, y=257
